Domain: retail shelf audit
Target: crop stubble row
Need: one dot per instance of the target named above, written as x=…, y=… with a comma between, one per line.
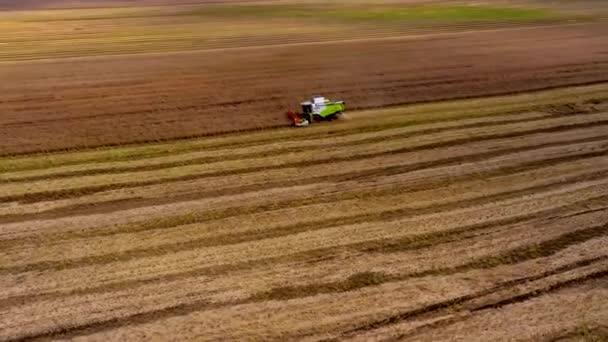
x=375, y=252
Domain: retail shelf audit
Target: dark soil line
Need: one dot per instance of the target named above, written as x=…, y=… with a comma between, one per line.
x=312, y=255
x=422, y=241
x=534, y=89
x=277, y=152
x=508, y=301
x=365, y=279
x=202, y=305
x=110, y=206
x=67, y=332
x=42, y=196
x=261, y=234
x=467, y=298
x=504, y=302
x=175, y=221
x=539, y=292
x=584, y=332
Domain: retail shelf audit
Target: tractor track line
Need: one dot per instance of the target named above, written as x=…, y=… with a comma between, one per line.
x=225, y=213
x=472, y=310
x=467, y=298
x=255, y=235
x=596, y=333
x=138, y=202
x=414, y=242
x=365, y=279
x=42, y=196
x=276, y=152
x=67, y=332
x=492, y=306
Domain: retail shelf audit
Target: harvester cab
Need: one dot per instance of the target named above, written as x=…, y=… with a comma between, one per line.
x=317, y=109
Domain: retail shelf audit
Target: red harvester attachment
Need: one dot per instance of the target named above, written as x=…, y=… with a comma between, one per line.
x=297, y=121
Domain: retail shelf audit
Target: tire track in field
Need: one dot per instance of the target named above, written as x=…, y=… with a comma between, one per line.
x=28, y=198
x=365, y=279
x=276, y=152
x=473, y=308
x=255, y=235
x=67, y=332
x=463, y=300
x=414, y=242
x=134, y=202
x=431, y=183
x=594, y=333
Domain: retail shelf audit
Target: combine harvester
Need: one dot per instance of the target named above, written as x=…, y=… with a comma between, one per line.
x=317, y=109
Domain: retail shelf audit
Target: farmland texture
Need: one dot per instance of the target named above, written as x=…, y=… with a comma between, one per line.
x=459, y=219
x=76, y=78
x=150, y=189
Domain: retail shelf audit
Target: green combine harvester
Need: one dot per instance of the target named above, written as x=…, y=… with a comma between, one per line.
x=317, y=109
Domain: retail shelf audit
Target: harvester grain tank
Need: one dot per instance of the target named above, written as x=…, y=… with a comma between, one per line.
x=317, y=109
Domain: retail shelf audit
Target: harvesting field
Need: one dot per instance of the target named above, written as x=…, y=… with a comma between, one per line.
x=460, y=219
x=150, y=188
x=82, y=77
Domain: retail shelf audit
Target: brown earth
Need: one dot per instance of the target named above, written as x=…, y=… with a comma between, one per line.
x=455, y=220
x=52, y=4
x=85, y=102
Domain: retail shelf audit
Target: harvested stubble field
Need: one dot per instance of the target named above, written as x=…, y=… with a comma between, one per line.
x=76, y=78
x=481, y=219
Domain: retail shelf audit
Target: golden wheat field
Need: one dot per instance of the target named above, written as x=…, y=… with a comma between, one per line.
x=482, y=219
